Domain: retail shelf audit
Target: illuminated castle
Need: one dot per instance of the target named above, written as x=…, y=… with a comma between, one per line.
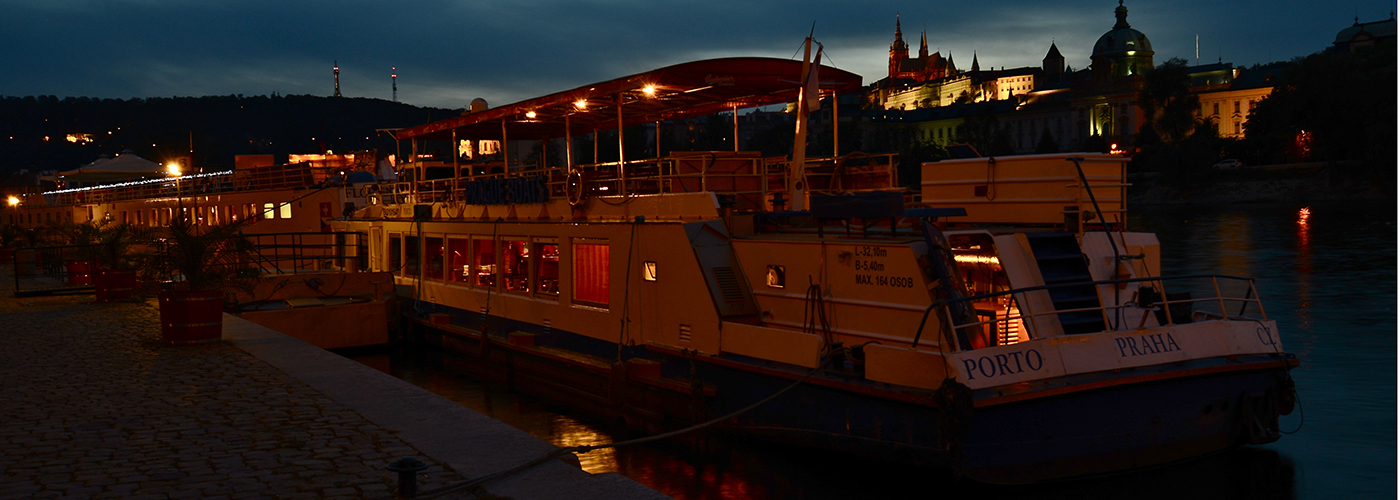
x=920, y=69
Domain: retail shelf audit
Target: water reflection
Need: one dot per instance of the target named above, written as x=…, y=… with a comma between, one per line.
x=1327, y=275
x=1304, y=266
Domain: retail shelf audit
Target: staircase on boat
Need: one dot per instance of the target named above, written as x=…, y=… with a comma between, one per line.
x=1060, y=260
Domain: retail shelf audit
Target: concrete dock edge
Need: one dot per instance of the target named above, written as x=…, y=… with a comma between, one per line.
x=468, y=442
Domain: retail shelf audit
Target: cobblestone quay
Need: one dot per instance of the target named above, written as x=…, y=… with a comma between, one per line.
x=92, y=406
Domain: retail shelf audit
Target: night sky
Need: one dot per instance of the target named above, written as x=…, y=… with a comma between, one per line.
x=449, y=52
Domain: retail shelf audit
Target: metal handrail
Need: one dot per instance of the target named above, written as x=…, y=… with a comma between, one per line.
x=1250, y=297
x=306, y=251
x=662, y=175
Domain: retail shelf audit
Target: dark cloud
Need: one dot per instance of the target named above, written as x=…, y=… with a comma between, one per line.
x=449, y=52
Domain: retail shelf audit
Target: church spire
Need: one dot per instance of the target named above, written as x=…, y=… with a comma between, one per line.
x=898, y=44
x=923, y=45
x=1122, y=13
x=975, y=67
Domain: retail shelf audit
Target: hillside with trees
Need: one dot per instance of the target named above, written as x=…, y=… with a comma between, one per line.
x=35, y=130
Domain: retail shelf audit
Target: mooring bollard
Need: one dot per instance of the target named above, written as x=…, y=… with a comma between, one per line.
x=408, y=469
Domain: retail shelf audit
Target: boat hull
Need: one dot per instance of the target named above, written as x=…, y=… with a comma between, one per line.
x=1127, y=426
x=1062, y=434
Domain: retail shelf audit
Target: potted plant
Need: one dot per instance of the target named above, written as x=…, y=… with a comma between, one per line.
x=9, y=238
x=116, y=261
x=30, y=261
x=78, y=238
x=209, y=258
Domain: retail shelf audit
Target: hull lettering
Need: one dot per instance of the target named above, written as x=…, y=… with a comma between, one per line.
x=997, y=365
x=1156, y=343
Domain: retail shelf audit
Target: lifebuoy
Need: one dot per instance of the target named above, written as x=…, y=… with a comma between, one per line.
x=573, y=188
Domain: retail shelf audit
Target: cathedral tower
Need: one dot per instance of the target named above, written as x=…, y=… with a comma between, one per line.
x=899, y=51
x=1053, y=64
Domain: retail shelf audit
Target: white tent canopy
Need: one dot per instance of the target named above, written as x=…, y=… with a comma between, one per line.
x=124, y=167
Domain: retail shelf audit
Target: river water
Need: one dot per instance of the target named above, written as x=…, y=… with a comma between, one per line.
x=1326, y=274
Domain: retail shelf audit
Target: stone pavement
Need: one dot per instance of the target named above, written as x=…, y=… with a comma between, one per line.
x=92, y=406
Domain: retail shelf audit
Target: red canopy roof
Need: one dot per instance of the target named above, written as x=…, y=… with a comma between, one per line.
x=680, y=91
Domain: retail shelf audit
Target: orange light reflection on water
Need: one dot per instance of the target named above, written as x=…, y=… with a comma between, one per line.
x=566, y=432
x=1305, y=267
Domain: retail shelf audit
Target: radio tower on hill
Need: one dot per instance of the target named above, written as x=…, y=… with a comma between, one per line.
x=394, y=78
x=336, y=70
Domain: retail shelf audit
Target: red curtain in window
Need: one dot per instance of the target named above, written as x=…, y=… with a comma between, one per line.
x=591, y=273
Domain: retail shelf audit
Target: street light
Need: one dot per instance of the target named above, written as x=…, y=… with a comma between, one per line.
x=174, y=169
x=14, y=201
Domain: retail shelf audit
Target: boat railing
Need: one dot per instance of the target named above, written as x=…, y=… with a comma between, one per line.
x=1237, y=301
x=291, y=253
x=755, y=182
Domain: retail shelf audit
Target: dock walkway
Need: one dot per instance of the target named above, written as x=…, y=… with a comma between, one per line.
x=92, y=406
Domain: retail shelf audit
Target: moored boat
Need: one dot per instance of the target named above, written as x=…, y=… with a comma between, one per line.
x=1002, y=320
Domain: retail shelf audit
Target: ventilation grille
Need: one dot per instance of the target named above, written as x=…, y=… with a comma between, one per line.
x=685, y=333
x=728, y=284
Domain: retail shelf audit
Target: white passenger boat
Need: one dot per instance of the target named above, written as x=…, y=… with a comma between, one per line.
x=1001, y=321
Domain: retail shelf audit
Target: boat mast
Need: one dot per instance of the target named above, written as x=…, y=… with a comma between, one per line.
x=797, y=188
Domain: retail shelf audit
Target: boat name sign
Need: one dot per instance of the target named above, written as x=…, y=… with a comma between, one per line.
x=531, y=189
x=1072, y=354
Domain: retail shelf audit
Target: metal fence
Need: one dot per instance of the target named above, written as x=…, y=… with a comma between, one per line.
x=57, y=269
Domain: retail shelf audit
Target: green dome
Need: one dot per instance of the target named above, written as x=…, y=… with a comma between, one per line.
x=1122, y=39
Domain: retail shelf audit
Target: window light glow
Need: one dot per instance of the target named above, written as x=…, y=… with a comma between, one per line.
x=530, y=115
x=976, y=259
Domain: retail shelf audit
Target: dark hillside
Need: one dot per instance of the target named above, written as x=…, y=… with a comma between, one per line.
x=34, y=130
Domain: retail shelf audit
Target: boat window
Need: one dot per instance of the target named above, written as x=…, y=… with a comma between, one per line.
x=590, y=273
x=395, y=253
x=648, y=271
x=777, y=278
x=515, y=265
x=458, y=269
x=546, y=261
x=484, y=262
x=432, y=258
x=269, y=211
x=410, y=256
x=286, y=211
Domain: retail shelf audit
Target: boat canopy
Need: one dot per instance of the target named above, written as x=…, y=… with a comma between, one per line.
x=674, y=92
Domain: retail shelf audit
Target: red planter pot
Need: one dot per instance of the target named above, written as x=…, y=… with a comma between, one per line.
x=79, y=272
x=188, y=318
x=114, y=285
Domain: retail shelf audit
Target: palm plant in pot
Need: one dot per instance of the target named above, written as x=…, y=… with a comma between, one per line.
x=75, y=248
x=9, y=239
x=116, y=256
x=209, y=258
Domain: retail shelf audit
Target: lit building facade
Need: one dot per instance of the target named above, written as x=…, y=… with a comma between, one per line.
x=1071, y=106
